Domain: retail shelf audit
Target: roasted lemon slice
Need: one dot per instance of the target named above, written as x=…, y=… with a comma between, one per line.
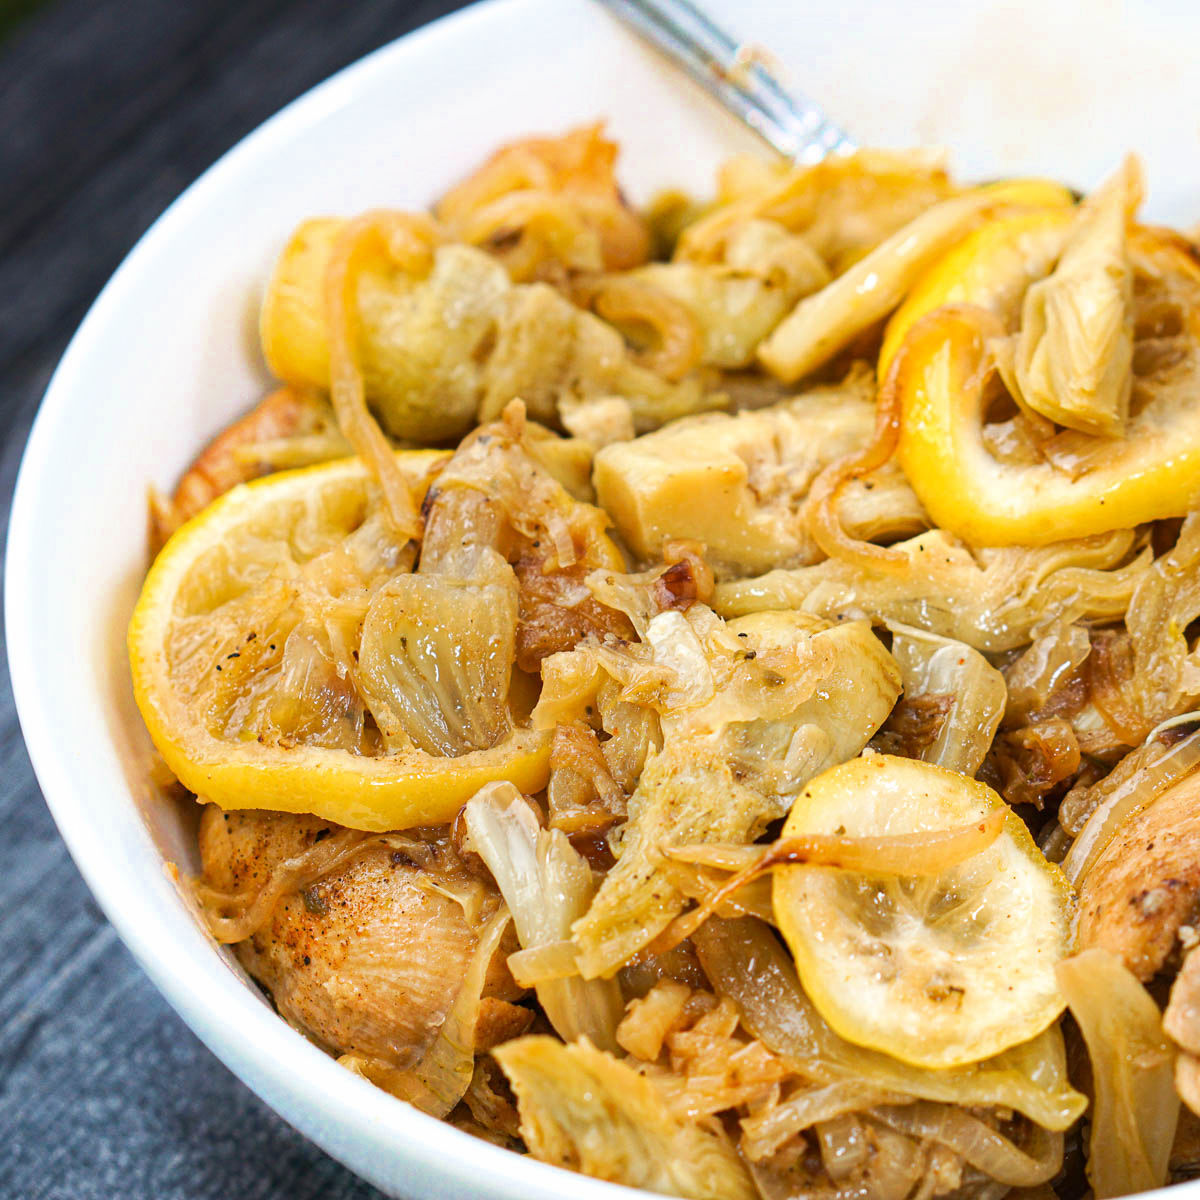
x=940, y=970
x=1075, y=485
x=991, y=268
x=260, y=689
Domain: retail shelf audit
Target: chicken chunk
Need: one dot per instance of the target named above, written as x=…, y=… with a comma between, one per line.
x=1181, y=1022
x=368, y=958
x=1145, y=884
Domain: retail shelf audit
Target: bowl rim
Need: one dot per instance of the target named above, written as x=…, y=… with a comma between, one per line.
x=348, y=1117
x=330, y=1105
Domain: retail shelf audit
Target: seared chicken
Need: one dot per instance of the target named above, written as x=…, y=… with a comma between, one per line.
x=1145, y=884
x=370, y=957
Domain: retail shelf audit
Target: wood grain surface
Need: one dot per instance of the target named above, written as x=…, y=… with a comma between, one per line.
x=108, y=109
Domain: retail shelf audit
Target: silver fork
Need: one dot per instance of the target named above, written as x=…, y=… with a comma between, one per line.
x=785, y=119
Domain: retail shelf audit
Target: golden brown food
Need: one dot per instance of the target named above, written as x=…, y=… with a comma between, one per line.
x=289, y=428
x=720, y=764
x=447, y=343
x=755, y=469
x=368, y=957
x=1145, y=883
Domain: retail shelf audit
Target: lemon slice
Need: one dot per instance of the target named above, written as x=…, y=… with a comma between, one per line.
x=1094, y=484
x=244, y=648
x=991, y=268
x=937, y=971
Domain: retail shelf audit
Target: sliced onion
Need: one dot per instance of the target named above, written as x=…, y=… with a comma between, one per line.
x=913, y=854
x=764, y=1133
x=895, y=1167
x=1136, y=1107
x=548, y=885
x=1130, y=787
x=545, y=963
x=698, y=883
x=931, y=665
x=746, y=962
x=978, y=1144
x=406, y=238
x=440, y=1080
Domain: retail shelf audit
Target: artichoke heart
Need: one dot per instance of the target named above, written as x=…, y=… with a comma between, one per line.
x=736, y=302
x=436, y=659
x=584, y=1109
x=448, y=346
x=822, y=324
x=750, y=711
x=739, y=483
x=1074, y=354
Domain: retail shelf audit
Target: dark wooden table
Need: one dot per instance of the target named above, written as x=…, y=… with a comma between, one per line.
x=108, y=109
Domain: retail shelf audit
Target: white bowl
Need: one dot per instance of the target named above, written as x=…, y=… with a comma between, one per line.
x=168, y=355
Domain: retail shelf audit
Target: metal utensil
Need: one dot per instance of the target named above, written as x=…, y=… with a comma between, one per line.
x=786, y=119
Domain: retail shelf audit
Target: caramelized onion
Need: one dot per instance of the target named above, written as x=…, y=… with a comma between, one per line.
x=1133, y=784
x=746, y=962
x=913, y=854
x=440, y=1080
x=408, y=239
x=765, y=1133
x=1136, y=1107
x=926, y=853
x=978, y=1144
x=622, y=301
x=822, y=508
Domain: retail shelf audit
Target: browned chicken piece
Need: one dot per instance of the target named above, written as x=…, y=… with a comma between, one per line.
x=222, y=464
x=369, y=957
x=1145, y=884
x=1181, y=1022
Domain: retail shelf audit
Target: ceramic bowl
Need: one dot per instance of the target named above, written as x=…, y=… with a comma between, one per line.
x=168, y=355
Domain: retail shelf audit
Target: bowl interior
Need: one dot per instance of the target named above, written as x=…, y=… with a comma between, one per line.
x=169, y=354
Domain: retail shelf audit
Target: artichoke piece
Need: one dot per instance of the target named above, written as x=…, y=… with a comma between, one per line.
x=682, y=798
x=735, y=303
x=991, y=269
x=843, y=206
x=436, y=658
x=780, y=748
x=750, y=711
x=932, y=666
x=584, y=1109
x=421, y=369
x=739, y=483
x=556, y=357
x=546, y=884
x=494, y=495
x=1072, y=484
x=1074, y=354
x=822, y=324
x=990, y=598
x=449, y=346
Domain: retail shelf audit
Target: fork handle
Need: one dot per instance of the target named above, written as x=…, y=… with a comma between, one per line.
x=786, y=120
